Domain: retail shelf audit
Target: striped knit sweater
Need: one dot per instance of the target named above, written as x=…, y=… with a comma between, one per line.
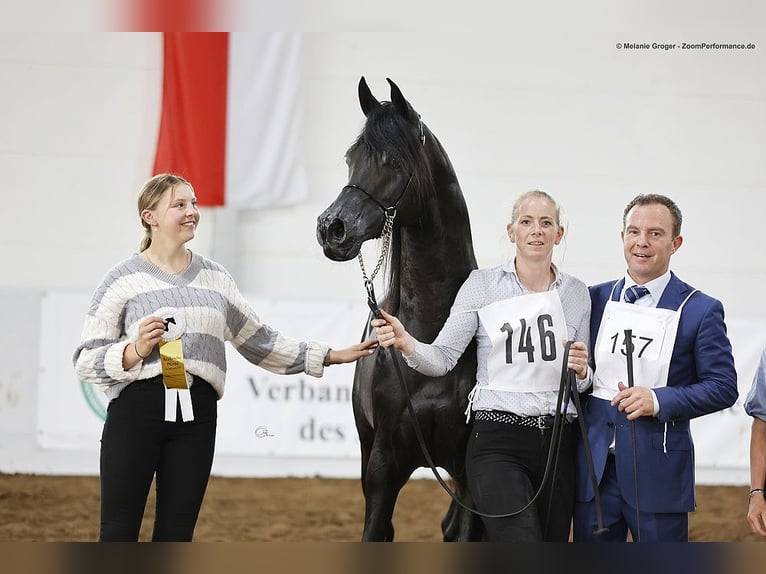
x=214, y=311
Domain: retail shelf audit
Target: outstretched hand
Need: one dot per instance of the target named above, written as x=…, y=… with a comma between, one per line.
x=391, y=332
x=354, y=352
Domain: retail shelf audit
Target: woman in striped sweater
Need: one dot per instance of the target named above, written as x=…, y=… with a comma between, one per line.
x=162, y=405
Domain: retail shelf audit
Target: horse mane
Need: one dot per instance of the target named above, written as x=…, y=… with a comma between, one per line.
x=387, y=131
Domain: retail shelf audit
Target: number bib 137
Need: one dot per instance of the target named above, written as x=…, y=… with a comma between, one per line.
x=653, y=333
x=526, y=334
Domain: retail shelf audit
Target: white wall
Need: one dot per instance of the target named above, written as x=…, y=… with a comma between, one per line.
x=567, y=113
x=539, y=98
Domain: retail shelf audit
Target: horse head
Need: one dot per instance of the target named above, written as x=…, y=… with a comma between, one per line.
x=388, y=174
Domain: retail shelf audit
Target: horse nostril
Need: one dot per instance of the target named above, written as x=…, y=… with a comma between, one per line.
x=336, y=231
x=321, y=230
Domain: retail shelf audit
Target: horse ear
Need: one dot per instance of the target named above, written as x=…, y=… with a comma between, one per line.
x=366, y=99
x=402, y=105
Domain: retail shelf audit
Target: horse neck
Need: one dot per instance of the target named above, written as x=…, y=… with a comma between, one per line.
x=431, y=260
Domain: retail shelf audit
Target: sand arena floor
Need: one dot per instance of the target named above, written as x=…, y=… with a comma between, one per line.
x=37, y=508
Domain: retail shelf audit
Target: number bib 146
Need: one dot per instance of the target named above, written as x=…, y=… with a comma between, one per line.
x=526, y=334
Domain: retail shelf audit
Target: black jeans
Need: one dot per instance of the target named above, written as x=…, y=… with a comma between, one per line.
x=505, y=465
x=138, y=443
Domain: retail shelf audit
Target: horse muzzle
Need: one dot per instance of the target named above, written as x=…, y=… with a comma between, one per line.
x=337, y=238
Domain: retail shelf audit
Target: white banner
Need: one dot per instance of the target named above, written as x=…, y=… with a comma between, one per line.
x=308, y=420
x=293, y=415
x=722, y=439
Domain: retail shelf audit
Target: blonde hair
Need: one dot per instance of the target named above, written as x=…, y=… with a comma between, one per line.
x=534, y=193
x=149, y=197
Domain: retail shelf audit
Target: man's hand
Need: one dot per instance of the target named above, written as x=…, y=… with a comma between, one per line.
x=635, y=401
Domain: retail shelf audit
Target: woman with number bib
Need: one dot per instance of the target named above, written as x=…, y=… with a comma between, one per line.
x=153, y=340
x=521, y=315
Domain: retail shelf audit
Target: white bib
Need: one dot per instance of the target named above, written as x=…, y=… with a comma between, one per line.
x=526, y=334
x=653, y=332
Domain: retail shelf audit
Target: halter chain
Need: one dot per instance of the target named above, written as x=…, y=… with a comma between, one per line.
x=388, y=228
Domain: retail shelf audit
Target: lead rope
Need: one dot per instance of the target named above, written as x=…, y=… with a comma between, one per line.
x=629, y=351
x=600, y=528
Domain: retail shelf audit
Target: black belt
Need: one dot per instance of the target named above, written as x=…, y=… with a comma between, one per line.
x=541, y=422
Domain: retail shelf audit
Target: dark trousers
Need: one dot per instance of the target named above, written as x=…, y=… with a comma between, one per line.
x=137, y=444
x=620, y=518
x=505, y=465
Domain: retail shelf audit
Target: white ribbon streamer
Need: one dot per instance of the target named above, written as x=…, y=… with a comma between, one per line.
x=172, y=398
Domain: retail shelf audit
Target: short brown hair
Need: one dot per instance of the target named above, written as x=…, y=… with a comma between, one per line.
x=652, y=198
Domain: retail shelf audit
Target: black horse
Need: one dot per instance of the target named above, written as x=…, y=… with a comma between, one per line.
x=396, y=163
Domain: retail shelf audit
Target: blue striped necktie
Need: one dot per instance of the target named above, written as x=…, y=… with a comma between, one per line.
x=634, y=293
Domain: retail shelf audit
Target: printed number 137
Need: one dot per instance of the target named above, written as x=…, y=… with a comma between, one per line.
x=624, y=349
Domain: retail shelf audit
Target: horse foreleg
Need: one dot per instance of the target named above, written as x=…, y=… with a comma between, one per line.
x=382, y=483
x=450, y=523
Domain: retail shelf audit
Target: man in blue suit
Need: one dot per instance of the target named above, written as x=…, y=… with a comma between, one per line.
x=672, y=338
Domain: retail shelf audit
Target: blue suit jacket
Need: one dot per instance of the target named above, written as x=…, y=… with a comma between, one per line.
x=702, y=380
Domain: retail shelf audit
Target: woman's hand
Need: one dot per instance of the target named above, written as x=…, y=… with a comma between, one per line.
x=578, y=359
x=149, y=334
x=352, y=353
x=391, y=332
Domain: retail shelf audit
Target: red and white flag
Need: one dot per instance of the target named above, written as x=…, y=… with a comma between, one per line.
x=231, y=117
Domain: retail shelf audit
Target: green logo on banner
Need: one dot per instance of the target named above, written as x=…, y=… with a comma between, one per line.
x=95, y=399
